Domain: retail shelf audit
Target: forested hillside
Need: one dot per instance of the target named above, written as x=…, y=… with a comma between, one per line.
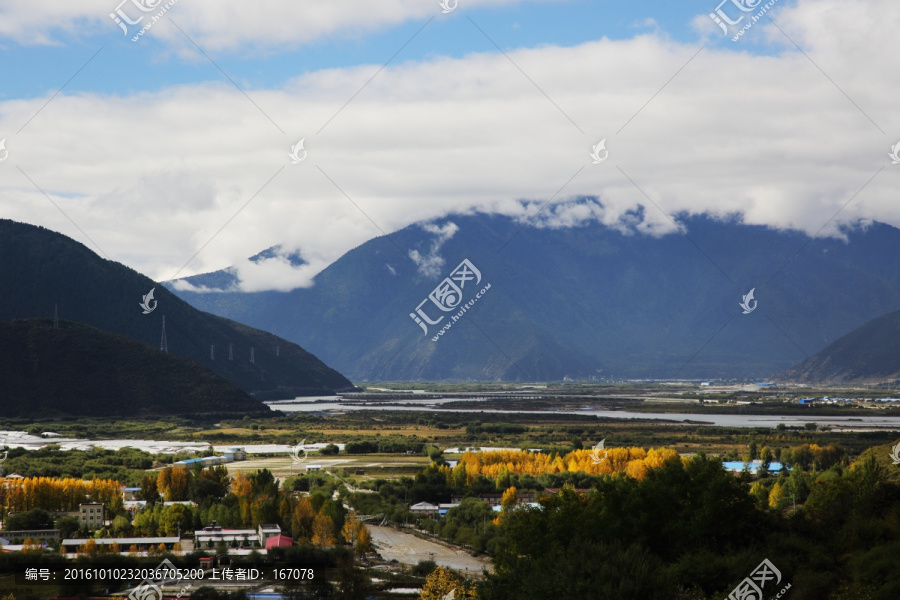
x=83, y=371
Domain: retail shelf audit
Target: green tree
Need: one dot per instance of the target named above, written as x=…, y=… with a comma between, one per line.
x=67, y=526
x=121, y=526
x=174, y=518
x=36, y=518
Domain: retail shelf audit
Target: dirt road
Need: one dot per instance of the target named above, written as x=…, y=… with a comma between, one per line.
x=408, y=549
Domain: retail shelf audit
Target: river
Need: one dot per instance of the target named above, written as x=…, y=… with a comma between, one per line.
x=338, y=404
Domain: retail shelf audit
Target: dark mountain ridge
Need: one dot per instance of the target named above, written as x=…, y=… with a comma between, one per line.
x=585, y=301
x=83, y=371
x=41, y=269
x=869, y=355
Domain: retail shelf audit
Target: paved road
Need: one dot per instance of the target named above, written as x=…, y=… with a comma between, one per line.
x=409, y=549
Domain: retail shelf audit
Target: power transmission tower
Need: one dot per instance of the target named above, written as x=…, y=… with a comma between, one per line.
x=230, y=351
x=212, y=352
x=164, y=343
x=277, y=350
x=252, y=356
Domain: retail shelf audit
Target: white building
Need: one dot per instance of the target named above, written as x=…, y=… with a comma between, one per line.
x=213, y=535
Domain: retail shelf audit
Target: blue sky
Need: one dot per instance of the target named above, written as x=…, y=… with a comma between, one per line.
x=124, y=67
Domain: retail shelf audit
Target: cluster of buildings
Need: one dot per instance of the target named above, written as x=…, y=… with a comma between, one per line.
x=241, y=541
x=231, y=455
x=92, y=516
x=236, y=541
x=436, y=511
x=830, y=400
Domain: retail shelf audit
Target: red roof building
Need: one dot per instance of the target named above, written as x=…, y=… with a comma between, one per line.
x=279, y=541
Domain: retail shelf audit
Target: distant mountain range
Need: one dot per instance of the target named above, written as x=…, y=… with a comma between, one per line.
x=867, y=355
x=82, y=371
x=41, y=269
x=582, y=302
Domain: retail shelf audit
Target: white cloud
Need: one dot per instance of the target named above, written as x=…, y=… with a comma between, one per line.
x=152, y=177
x=431, y=263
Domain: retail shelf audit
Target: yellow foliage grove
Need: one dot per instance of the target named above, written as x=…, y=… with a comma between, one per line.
x=634, y=462
x=57, y=494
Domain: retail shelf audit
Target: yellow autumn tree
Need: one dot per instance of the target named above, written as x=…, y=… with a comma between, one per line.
x=302, y=520
x=500, y=464
x=323, y=531
x=363, y=541
x=509, y=498
x=173, y=483
x=442, y=582
x=56, y=494
x=759, y=493
x=357, y=534
x=776, y=495
x=89, y=547
x=243, y=490
x=350, y=530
